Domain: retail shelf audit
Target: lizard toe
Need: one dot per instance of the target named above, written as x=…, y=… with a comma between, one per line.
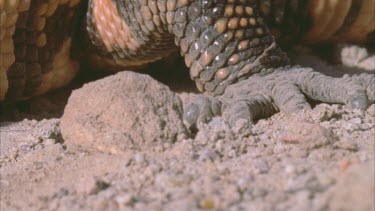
x=241, y=111
x=200, y=110
x=358, y=100
x=348, y=90
x=246, y=101
x=368, y=83
x=288, y=97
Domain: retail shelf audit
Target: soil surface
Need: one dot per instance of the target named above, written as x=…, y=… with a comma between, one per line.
x=322, y=159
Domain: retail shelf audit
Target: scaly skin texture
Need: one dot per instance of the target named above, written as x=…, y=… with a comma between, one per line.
x=35, y=41
x=229, y=46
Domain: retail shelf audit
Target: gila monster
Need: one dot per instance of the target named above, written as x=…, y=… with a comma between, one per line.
x=229, y=45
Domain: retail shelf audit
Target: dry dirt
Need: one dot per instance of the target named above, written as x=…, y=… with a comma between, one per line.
x=321, y=159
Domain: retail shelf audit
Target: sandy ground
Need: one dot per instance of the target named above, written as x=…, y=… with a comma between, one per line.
x=321, y=159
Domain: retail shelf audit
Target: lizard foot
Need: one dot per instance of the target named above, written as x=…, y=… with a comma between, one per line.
x=285, y=90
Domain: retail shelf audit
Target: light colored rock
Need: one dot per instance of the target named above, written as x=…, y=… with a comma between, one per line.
x=126, y=111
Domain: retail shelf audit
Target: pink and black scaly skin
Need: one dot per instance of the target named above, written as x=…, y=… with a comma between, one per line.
x=230, y=48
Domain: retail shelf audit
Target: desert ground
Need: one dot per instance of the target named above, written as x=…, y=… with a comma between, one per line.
x=122, y=145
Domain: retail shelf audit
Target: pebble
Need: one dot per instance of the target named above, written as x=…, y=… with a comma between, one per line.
x=356, y=120
x=25, y=148
x=371, y=110
x=262, y=167
x=346, y=144
x=139, y=158
x=207, y=203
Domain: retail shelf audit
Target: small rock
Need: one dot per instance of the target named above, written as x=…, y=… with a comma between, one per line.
x=290, y=169
x=207, y=203
x=244, y=181
x=259, y=192
x=324, y=113
x=4, y=183
x=99, y=186
x=346, y=144
x=140, y=159
x=126, y=111
x=371, y=110
x=356, y=120
x=309, y=134
x=344, y=164
x=208, y=155
x=350, y=127
x=262, y=167
x=61, y=193
x=126, y=199
x=25, y=148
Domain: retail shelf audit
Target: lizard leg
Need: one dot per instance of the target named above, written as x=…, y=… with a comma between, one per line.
x=234, y=58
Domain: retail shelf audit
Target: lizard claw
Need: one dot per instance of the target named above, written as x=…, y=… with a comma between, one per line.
x=358, y=100
x=200, y=110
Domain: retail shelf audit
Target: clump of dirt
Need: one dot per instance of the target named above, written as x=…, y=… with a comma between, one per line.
x=126, y=111
x=319, y=159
